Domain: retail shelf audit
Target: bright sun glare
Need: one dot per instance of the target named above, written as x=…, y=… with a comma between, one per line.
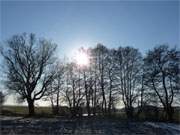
x=82, y=58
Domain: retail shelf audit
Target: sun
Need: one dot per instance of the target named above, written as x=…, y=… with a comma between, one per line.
x=82, y=58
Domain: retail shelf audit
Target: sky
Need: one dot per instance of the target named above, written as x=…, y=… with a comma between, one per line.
x=72, y=24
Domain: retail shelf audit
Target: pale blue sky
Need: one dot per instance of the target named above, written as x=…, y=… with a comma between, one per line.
x=74, y=24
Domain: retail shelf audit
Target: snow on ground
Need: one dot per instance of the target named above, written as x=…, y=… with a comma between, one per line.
x=170, y=127
x=85, y=126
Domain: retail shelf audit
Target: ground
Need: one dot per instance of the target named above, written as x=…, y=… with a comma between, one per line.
x=85, y=126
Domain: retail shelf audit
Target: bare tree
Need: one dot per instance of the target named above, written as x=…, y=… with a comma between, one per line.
x=56, y=87
x=74, y=92
x=101, y=54
x=87, y=91
x=128, y=69
x=2, y=98
x=111, y=80
x=27, y=61
x=94, y=79
x=162, y=75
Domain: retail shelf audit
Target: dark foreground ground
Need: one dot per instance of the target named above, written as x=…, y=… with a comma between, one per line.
x=85, y=126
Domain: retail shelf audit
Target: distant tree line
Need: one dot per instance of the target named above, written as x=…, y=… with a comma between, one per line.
x=113, y=76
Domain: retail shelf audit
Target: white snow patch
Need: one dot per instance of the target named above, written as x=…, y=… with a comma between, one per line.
x=174, y=128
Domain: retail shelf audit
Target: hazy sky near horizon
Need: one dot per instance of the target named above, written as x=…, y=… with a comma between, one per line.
x=141, y=24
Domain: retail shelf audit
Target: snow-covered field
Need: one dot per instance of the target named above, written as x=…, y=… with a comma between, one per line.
x=85, y=126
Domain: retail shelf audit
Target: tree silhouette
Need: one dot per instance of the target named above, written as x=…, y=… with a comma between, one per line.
x=28, y=60
x=56, y=87
x=162, y=75
x=129, y=61
x=111, y=76
x=2, y=98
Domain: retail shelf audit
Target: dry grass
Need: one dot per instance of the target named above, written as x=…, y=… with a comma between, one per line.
x=47, y=112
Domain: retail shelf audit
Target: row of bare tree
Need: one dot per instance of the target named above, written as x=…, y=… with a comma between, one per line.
x=113, y=77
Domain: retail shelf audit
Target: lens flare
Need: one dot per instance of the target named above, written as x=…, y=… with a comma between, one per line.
x=82, y=59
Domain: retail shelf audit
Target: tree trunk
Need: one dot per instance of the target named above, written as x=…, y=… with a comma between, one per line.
x=94, y=105
x=57, y=102
x=169, y=113
x=104, y=109
x=88, y=108
x=129, y=112
x=56, y=110
x=31, y=107
x=110, y=103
